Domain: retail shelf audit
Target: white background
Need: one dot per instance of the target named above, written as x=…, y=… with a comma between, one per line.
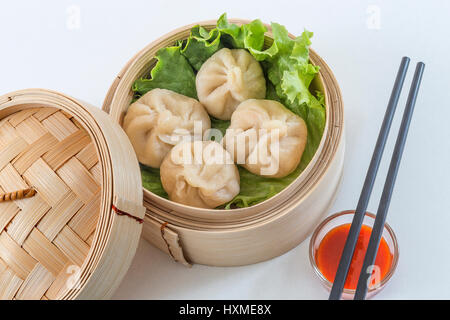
x=43, y=45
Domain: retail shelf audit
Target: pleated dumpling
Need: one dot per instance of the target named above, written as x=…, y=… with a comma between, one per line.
x=266, y=138
x=160, y=119
x=227, y=78
x=200, y=174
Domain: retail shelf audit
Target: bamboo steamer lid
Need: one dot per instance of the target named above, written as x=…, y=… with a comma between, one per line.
x=74, y=230
x=247, y=235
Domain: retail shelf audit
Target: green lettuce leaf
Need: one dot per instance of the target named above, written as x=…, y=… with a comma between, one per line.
x=201, y=45
x=255, y=189
x=151, y=181
x=290, y=70
x=172, y=72
x=248, y=36
x=232, y=34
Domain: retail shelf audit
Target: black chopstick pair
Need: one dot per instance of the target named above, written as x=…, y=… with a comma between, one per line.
x=375, y=237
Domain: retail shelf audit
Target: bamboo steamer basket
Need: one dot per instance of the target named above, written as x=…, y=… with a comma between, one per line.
x=248, y=235
x=76, y=237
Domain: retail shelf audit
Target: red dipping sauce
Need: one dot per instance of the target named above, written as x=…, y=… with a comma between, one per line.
x=330, y=250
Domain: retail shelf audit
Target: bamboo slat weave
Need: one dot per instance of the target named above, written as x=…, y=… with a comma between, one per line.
x=45, y=238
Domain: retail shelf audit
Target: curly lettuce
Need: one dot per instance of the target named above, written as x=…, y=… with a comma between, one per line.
x=200, y=45
x=289, y=74
x=172, y=72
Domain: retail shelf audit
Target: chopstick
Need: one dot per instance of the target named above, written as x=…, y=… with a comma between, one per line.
x=383, y=207
x=349, y=248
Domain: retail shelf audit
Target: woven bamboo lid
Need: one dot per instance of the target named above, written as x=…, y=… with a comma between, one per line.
x=70, y=199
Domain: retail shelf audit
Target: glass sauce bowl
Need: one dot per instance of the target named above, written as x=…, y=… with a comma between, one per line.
x=346, y=217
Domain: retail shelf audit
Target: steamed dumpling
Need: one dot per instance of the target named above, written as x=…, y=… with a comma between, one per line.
x=266, y=138
x=159, y=120
x=227, y=78
x=200, y=174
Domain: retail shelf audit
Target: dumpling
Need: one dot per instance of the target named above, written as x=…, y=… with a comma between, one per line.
x=266, y=138
x=159, y=120
x=200, y=174
x=227, y=78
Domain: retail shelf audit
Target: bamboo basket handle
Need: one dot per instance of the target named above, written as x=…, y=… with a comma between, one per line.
x=17, y=195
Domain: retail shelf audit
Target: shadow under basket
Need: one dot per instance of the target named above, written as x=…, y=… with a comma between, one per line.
x=70, y=239
x=247, y=235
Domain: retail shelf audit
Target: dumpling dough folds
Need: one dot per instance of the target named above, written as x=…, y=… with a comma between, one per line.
x=200, y=174
x=266, y=138
x=227, y=78
x=160, y=119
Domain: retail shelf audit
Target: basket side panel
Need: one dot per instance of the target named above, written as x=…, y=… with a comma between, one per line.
x=164, y=238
